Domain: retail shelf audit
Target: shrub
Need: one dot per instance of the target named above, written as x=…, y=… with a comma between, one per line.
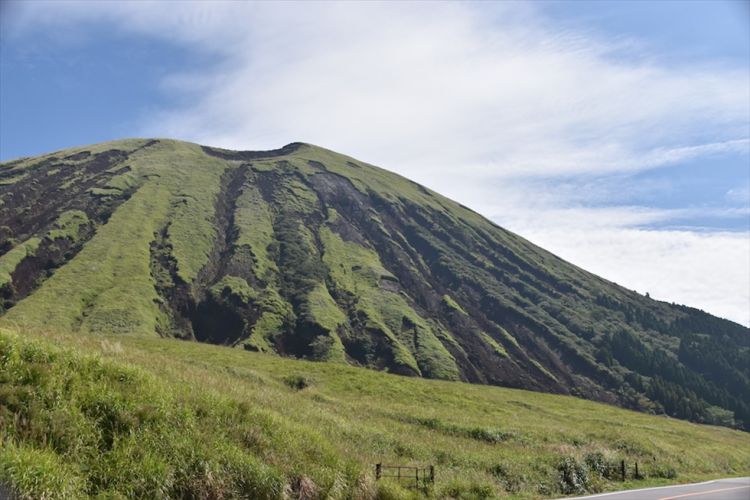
x=573, y=476
x=663, y=471
x=598, y=463
x=511, y=480
x=388, y=490
x=488, y=435
x=297, y=382
x=465, y=490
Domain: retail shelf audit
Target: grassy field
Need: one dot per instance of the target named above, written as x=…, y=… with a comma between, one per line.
x=139, y=417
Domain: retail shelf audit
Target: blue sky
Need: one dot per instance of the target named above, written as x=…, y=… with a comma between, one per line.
x=67, y=88
x=615, y=134
x=678, y=31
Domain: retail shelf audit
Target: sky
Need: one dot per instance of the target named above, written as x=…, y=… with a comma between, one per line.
x=614, y=134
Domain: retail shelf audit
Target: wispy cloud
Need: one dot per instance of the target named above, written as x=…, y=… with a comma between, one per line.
x=488, y=102
x=439, y=86
x=421, y=85
x=739, y=195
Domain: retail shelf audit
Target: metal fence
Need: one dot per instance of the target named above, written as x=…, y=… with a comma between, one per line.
x=419, y=478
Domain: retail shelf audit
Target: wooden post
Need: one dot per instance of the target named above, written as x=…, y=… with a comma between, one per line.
x=432, y=474
x=637, y=475
x=377, y=471
x=622, y=469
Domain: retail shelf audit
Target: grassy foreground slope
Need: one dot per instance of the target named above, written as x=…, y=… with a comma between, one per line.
x=139, y=417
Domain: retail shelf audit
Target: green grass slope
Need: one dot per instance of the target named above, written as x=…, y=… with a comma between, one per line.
x=102, y=416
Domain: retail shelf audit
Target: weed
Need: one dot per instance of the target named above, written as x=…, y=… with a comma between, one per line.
x=297, y=382
x=573, y=476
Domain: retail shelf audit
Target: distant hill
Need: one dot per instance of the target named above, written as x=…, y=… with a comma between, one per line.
x=308, y=253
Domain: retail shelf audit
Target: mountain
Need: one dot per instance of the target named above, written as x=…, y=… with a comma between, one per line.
x=308, y=253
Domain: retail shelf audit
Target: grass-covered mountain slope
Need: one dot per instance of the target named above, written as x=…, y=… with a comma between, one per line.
x=308, y=253
x=118, y=416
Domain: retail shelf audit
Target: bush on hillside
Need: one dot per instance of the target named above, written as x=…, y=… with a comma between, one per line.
x=573, y=476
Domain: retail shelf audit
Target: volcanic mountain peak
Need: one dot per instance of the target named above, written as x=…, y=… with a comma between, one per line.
x=305, y=252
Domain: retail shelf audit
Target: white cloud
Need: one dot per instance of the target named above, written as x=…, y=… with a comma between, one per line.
x=441, y=87
x=424, y=85
x=739, y=195
x=488, y=103
x=709, y=271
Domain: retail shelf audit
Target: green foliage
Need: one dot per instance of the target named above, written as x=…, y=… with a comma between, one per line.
x=68, y=225
x=664, y=471
x=507, y=474
x=193, y=182
x=573, y=476
x=38, y=473
x=104, y=192
x=127, y=181
x=118, y=185
x=321, y=309
x=11, y=259
x=390, y=490
x=8, y=180
x=488, y=435
x=468, y=490
x=413, y=342
x=598, y=463
x=234, y=288
x=146, y=417
x=499, y=349
x=98, y=428
x=300, y=267
x=367, y=178
x=107, y=287
x=295, y=196
x=254, y=222
x=453, y=304
x=275, y=317
x=326, y=348
x=297, y=382
x=543, y=369
x=684, y=393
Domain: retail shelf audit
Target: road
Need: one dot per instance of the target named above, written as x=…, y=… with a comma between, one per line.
x=721, y=489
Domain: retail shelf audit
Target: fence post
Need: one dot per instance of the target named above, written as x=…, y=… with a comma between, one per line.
x=432, y=474
x=622, y=469
x=377, y=471
x=637, y=475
